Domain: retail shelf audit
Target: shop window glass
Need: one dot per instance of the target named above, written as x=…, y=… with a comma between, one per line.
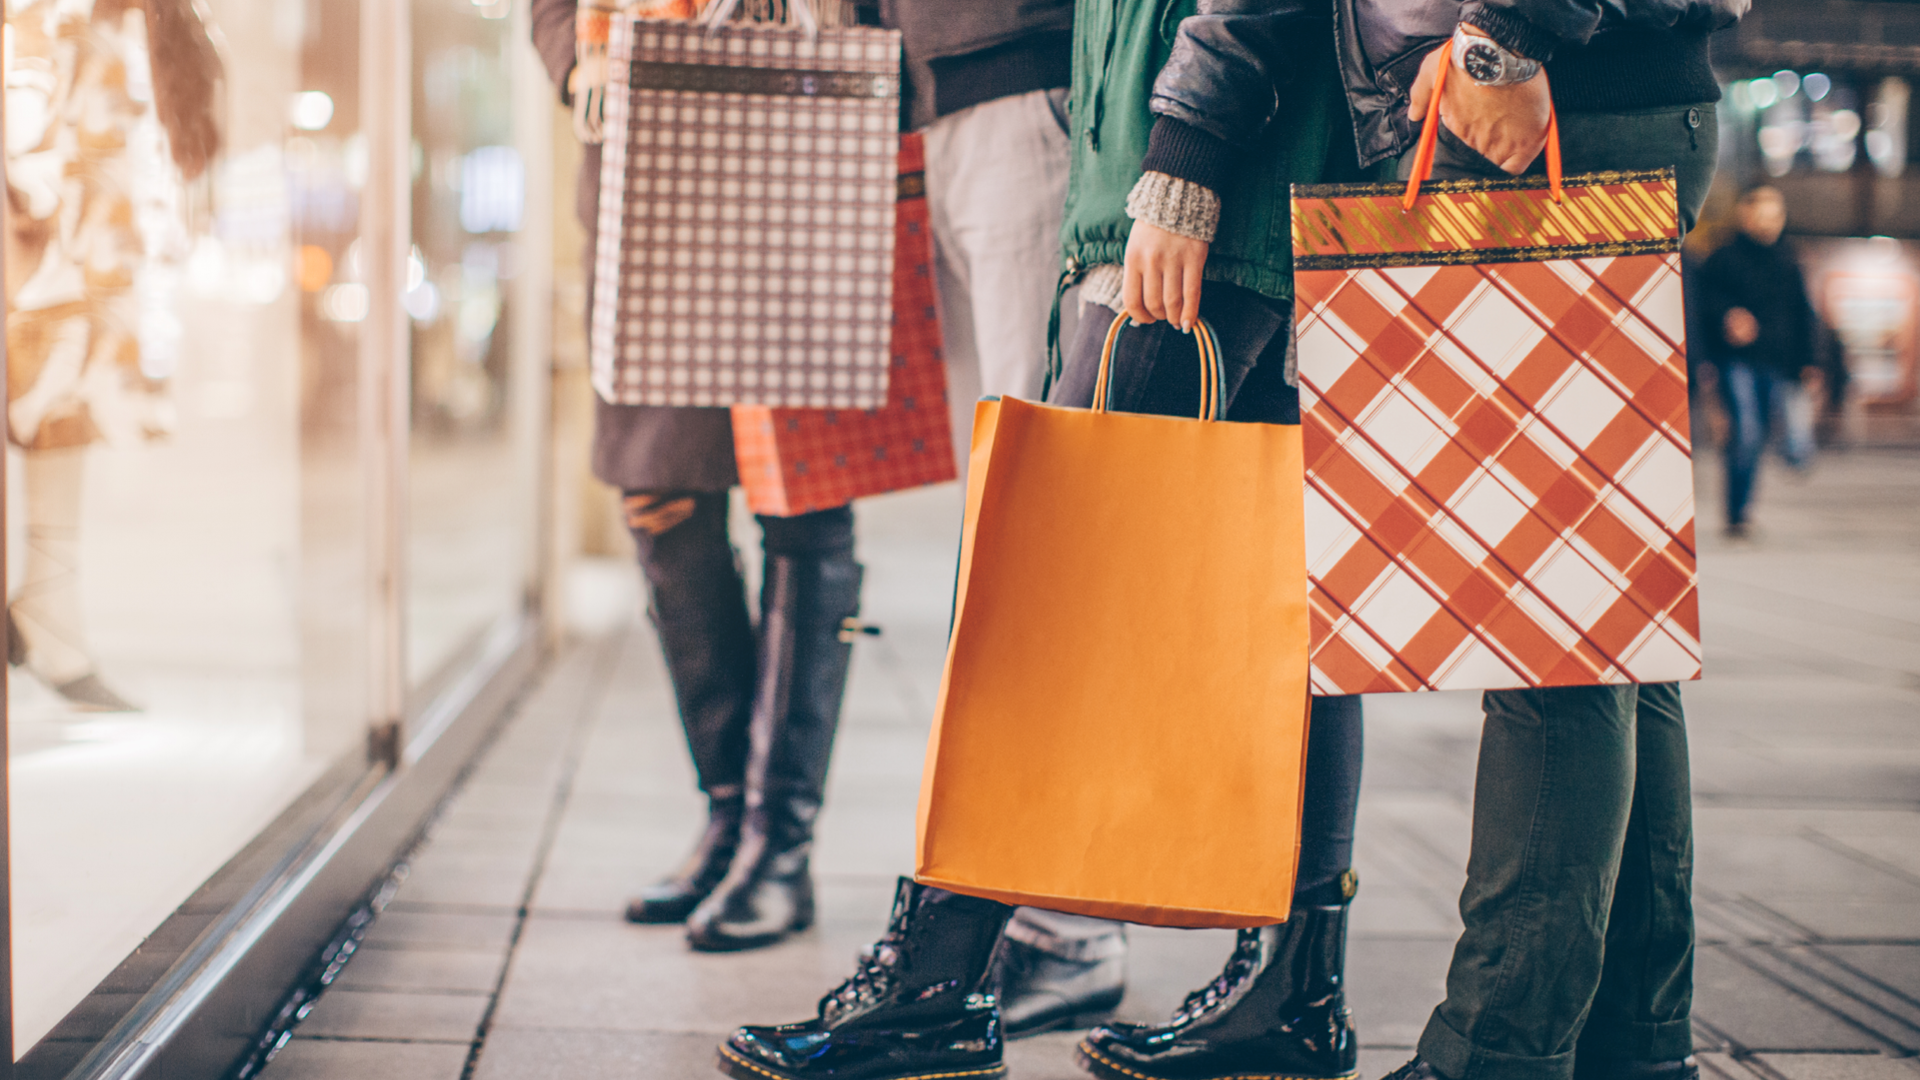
x=185, y=545
x=472, y=448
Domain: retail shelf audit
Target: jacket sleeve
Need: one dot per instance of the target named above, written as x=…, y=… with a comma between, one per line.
x=553, y=40
x=1537, y=28
x=1225, y=80
x=1806, y=332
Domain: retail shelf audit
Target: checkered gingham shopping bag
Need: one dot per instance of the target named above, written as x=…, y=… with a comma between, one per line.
x=793, y=461
x=746, y=215
x=1499, y=473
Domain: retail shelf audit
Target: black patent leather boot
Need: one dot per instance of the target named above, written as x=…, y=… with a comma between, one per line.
x=804, y=653
x=1278, y=1010
x=673, y=899
x=698, y=607
x=920, y=1006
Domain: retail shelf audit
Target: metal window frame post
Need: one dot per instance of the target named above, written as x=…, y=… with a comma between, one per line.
x=386, y=239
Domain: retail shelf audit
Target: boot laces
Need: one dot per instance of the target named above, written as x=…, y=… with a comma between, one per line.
x=1246, y=955
x=868, y=984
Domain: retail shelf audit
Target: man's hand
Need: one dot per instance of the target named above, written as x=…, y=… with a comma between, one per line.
x=1740, y=327
x=1163, y=276
x=1506, y=124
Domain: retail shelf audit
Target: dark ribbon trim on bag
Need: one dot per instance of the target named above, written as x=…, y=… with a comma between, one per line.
x=1514, y=183
x=1458, y=256
x=771, y=82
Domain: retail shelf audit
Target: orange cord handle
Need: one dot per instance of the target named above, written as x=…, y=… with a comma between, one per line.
x=1212, y=377
x=1430, y=135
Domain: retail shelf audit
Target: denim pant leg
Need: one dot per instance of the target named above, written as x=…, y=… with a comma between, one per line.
x=1556, y=781
x=1794, y=415
x=1552, y=797
x=1747, y=392
x=1643, y=1007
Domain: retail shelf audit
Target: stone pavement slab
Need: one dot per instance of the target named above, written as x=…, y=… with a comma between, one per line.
x=1807, y=783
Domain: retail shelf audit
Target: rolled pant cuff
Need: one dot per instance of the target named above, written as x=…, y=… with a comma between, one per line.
x=1455, y=1056
x=1668, y=1041
x=1089, y=940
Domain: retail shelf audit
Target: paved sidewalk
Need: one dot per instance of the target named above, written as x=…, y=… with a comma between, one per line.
x=503, y=954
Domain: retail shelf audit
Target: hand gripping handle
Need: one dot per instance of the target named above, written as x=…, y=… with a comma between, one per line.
x=1212, y=373
x=1430, y=133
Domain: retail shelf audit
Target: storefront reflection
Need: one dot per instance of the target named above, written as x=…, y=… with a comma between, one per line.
x=166, y=413
x=472, y=449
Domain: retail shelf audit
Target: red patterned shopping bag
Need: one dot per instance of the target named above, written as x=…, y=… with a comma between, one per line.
x=1499, y=477
x=793, y=461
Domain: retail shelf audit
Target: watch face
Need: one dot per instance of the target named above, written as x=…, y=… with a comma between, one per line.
x=1482, y=62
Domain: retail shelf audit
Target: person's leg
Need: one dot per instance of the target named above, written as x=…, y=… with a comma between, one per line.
x=699, y=609
x=996, y=187
x=1555, y=783
x=1057, y=970
x=920, y=1006
x=1551, y=800
x=952, y=292
x=47, y=631
x=1278, y=1007
x=1642, y=1010
x=1793, y=417
x=1741, y=386
x=810, y=590
x=1746, y=435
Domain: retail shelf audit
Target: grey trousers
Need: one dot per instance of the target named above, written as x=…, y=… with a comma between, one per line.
x=996, y=188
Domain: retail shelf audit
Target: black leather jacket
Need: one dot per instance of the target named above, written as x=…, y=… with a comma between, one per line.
x=1229, y=68
x=1382, y=42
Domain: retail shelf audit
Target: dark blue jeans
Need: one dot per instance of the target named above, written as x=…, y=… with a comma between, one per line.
x=1757, y=401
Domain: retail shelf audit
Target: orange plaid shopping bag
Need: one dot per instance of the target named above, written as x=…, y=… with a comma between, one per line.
x=1494, y=390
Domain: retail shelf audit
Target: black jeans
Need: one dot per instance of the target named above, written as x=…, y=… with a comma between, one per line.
x=1578, y=906
x=1156, y=370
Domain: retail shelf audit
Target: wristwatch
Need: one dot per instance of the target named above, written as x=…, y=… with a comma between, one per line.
x=1489, y=63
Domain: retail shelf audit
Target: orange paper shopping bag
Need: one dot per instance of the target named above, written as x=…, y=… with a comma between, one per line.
x=1121, y=726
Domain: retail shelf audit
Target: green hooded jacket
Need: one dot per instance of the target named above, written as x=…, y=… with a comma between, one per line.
x=1119, y=48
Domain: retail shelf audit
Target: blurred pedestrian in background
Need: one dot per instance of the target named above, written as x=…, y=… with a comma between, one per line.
x=1764, y=333
x=759, y=706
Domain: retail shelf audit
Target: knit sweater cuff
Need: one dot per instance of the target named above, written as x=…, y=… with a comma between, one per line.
x=1182, y=150
x=1510, y=30
x=1105, y=285
x=1178, y=206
